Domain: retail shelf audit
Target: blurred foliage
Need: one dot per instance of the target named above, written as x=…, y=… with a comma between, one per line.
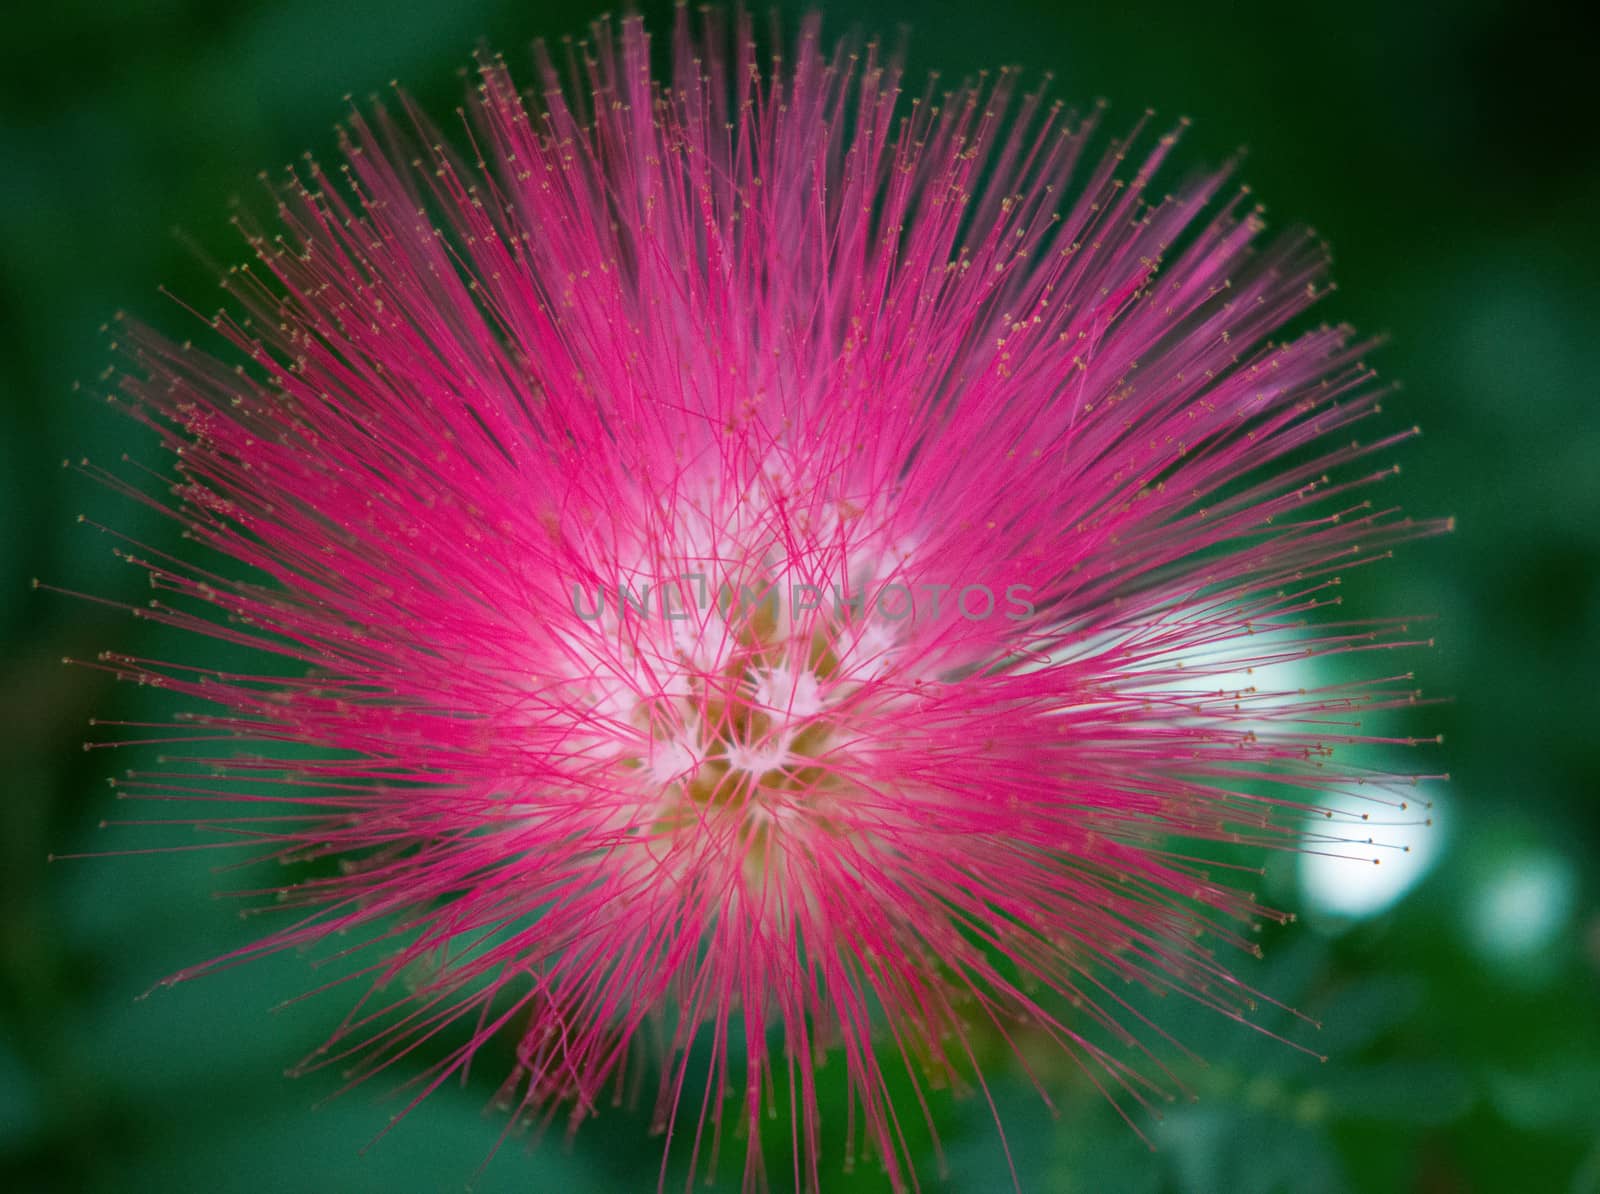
x=1451, y=158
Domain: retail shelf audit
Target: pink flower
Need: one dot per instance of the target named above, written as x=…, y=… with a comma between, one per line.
x=770, y=561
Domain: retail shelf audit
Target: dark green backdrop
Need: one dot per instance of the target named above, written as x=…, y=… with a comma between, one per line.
x=1451, y=159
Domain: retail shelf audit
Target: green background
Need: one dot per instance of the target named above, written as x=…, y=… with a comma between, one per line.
x=1451, y=159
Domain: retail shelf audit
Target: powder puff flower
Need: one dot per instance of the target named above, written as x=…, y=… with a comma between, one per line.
x=782, y=560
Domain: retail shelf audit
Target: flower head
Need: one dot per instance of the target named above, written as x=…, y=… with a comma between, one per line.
x=769, y=560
